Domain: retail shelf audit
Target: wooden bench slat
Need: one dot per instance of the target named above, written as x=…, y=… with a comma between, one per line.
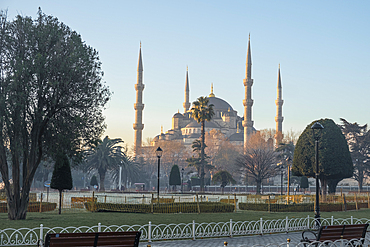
x=336, y=232
x=102, y=239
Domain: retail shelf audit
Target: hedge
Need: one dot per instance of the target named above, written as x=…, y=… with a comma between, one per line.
x=32, y=207
x=303, y=207
x=182, y=207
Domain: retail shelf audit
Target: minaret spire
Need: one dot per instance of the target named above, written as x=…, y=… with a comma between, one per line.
x=139, y=106
x=211, y=94
x=279, y=111
x=186, y=103
x=248, y=102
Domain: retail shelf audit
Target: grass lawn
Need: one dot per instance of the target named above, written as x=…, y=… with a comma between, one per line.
x=83, y=218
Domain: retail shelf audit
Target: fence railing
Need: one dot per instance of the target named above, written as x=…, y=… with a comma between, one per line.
x=193, y=230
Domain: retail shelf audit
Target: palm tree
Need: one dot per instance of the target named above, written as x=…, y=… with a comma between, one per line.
x=202, y=112
x=223, y=177
x=104, y=156
x=130, y=171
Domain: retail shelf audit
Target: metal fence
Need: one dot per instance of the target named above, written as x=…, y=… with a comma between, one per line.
x=193, y=230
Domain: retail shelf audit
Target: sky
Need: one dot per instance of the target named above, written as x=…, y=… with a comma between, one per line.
x=322, y=47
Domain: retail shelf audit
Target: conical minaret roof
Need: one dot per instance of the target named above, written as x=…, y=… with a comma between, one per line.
x=140, y=62
x=279, y=79
x=248, y=69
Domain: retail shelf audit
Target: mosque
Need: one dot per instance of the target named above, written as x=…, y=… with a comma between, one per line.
x=226, y=120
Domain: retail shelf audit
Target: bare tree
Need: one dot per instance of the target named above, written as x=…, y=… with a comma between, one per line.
x=258, y=161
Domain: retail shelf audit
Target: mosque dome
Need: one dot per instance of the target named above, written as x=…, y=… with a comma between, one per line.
x=178, y=115
x=219, y=104
x=238, y=137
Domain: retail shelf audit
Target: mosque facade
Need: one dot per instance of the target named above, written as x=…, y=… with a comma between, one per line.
x=237, y=129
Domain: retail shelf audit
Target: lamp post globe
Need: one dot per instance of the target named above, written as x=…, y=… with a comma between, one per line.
x=316, y=127
x=158, y=152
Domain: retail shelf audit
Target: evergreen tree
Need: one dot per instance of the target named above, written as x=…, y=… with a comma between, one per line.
x=334, y=158
x=94, y=181
x=62, y=177
x=175, y=178
x=304, y=182
x=358, y=139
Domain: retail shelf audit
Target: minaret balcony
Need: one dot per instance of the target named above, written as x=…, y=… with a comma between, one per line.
x=139, y=87
x=247, y=102
x=248, y=82
x=138, y=106
x=279, y=102
x=138, y=126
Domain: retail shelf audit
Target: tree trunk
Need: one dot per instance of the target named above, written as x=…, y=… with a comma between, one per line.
x=332, y=184
x=17, y=199
x=102, y=179
x=323, y=188
x=202, y=157
x=360, y=179
x=258, y=188
x=60, y=201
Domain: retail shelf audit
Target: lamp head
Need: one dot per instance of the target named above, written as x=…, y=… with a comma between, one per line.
x=158, y=152
x=316, y=127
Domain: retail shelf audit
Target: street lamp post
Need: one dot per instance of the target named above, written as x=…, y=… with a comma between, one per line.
x=280, y=166
x=288, y=164
x=315, y=128
x=158, y=152
x=281, y=181
x=182, y=179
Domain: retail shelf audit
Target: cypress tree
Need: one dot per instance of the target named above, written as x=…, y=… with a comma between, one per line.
x=175, y=178
x=62, y=177
x=94, y=181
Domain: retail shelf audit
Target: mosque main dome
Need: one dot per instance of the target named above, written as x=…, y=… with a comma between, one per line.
x=219, y=104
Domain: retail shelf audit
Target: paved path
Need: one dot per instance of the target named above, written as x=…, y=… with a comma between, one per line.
x=275, y=239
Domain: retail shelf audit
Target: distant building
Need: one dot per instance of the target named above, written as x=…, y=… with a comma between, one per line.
x=236, y=128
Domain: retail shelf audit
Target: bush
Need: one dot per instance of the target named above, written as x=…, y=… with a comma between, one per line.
x=32, y=207
x=183, y=207
x=303, y=207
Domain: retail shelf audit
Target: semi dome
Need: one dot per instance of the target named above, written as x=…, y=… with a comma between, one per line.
x=219, y=104
x=195, y=124
x=237, y=137
x=178, y=115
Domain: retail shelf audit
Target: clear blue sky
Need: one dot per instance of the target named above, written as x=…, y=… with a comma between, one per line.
x=322, y=46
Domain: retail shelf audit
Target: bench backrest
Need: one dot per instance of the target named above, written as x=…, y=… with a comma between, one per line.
x=122, y=239
x=347, y=232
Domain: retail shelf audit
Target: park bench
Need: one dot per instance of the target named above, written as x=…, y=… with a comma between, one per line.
x=337, y=232
x=121, y=239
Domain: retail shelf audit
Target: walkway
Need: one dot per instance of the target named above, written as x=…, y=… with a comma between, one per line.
x=276, y=239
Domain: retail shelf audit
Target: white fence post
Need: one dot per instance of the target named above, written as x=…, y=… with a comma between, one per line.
x=261, y=226
x=351, y=220
x=41, y=239
x=99, y=227
x=332, y=220
x=193, y=230
x=308, y=222
x=286, y=224
x=150, y=232
x=231, y=228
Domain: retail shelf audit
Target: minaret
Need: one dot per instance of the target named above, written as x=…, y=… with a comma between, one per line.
x=186, y=103
x=139, y=106
x=248, y=102
x=279, y=112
